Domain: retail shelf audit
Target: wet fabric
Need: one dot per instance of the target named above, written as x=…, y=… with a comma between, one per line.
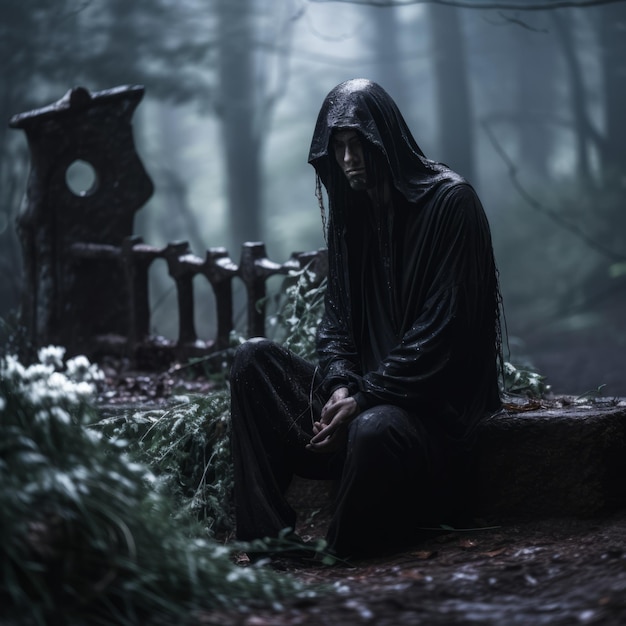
x=410, y=328
x=366, y=107
x=275, y=398
x=389, y=477
x=412, y=303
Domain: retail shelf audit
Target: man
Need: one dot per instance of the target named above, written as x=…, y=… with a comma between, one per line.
x=408, y=345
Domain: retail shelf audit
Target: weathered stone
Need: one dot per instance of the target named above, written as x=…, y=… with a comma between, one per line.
x=568, y=460
x=69, y=299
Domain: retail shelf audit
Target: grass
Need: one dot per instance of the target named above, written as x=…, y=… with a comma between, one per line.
x=114, y=519
x=90, y=535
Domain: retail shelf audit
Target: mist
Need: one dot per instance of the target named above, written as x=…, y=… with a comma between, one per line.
x=527, y=105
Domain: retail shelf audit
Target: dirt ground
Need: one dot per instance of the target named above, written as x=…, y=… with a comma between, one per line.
x=535, y=573
x=543, y=572
x=550, y=572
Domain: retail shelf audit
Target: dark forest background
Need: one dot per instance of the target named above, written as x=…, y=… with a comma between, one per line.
x=528, y=104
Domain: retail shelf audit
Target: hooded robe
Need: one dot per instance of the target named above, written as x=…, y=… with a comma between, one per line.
x=410, y=328
x=412, y=306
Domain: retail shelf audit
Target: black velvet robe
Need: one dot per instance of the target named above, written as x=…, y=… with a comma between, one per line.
x=412, y=303
x=411, y=328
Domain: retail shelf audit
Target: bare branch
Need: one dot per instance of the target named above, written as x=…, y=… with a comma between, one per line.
x=537, y=206
x=501, y=6
x=506, y=19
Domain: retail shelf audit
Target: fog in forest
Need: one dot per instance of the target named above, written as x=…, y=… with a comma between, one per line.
x=528, y=105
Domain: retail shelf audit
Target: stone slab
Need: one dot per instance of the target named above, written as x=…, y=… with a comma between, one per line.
x=555, y=461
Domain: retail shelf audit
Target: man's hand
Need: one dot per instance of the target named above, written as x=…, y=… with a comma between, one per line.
x=330, y=433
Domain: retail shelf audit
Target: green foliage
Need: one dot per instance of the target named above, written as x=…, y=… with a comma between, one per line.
x=617, y=270
x=591, y=394
x=525, y=382
x=111, y=516
x=187, y=446
x=88, y=535
x=301, y=312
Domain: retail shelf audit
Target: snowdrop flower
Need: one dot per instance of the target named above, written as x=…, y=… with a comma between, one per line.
x=58, y=382
x=39, y=394
x=11, y=369
x=60, y=415
x=80, y=369
x=77, y=367
x=42, y=416
x=84, y=391
x=38, y=371
x=52, y=355
x=243, y=574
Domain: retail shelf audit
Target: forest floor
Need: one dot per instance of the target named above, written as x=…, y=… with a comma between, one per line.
x=532, y=573
x=548, y=572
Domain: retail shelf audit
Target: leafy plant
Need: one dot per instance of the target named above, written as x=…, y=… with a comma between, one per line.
x=301, y=312
x=187, y=446
x=89, y=535
x=591, y=394
x=521, y=381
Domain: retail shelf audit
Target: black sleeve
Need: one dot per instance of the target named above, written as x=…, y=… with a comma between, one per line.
x=338, y=357
x=418, y=369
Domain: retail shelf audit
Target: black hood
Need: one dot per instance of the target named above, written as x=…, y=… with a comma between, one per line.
x=366, y=107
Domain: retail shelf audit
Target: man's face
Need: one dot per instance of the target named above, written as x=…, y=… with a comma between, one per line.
x=348, y=149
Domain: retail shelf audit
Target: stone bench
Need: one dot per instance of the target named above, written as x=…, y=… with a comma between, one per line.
x=564, y=460
x=534, y=460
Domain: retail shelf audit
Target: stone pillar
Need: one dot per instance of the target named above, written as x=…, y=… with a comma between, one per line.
x=86, y=182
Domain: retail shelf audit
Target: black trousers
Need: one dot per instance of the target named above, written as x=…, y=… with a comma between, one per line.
x=390, y=474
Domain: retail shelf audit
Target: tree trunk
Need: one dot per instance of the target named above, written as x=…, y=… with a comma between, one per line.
x=13, y=177
x=237, y=108
x=613, y=41
x=388, y=71
x=535, y=100
x=582, y=126
x=455, y=119
x=178, y=220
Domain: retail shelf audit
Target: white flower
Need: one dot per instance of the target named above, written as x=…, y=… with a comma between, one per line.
x=80, y=369
x=508, y=368
x=12, y=369
x=85, y=392
x=38, y=371
x=52, y=355
x=245, y=573
x=60, y=414
x=42, y=416
x=58, y=381
x=39, y=394
x=93, y=435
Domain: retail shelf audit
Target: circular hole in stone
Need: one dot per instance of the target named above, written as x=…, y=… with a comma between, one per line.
x=81, y=178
